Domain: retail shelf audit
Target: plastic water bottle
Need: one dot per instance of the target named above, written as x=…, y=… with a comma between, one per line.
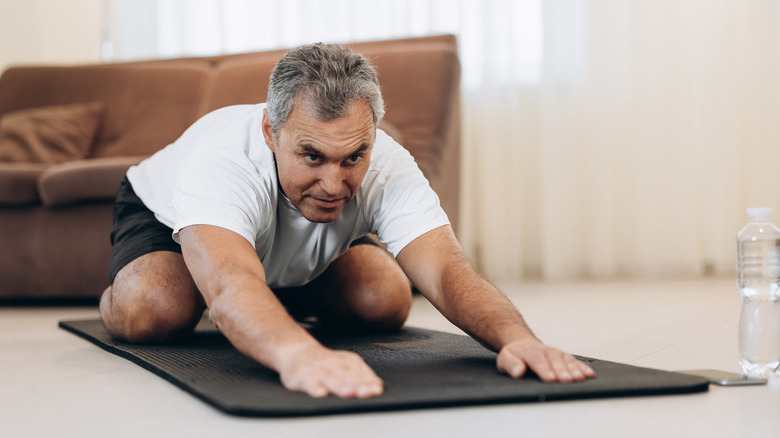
x=758, y=279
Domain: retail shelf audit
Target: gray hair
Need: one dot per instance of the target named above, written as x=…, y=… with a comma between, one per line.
x=330, y=76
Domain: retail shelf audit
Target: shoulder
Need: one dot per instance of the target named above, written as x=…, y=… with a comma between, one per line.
x=232, y=132
x=228, y=146
x=393, y=180
x=388, y=154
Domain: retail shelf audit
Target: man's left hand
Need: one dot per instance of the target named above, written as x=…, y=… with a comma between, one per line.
x=550, y=364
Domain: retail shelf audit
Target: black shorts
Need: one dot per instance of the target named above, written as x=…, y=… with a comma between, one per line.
x=137, y=232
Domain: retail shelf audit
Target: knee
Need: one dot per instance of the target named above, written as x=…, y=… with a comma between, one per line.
x=379, y=307
x=387, y=309
x=365, y=289
x=145, y=318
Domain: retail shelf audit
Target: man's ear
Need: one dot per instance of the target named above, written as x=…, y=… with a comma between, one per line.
x=268, y=132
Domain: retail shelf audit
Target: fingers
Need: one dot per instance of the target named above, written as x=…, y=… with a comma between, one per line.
x=355, y=380
x=509, y=363
x=565, y=368
x=550, y=364
x=338, y=373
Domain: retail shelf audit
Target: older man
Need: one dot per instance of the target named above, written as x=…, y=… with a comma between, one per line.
x=260, y=212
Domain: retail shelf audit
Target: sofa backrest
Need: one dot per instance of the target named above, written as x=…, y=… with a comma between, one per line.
x=147, y=106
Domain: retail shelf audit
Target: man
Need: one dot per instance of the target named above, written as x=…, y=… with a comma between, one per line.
x=268, y=206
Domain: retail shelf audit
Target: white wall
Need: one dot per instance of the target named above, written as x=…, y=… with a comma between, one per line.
x=49, y=31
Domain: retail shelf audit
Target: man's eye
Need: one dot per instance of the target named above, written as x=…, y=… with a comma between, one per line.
x=354, y=159
x=311, y=158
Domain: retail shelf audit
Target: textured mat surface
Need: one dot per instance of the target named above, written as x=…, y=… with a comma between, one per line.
x=421, y=369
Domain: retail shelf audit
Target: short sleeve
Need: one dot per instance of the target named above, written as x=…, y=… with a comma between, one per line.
x=401, y=205
x=222, y=189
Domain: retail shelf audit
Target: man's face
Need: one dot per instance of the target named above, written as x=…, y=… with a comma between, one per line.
x=322, y=164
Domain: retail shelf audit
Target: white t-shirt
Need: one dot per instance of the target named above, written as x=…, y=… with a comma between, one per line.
x=220, y=172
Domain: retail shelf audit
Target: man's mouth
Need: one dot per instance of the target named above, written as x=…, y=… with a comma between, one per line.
x=328, y=203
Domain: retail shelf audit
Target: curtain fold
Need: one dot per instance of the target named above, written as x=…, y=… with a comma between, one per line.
x=600, y=138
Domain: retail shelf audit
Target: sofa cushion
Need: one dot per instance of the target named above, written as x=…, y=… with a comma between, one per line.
x=94, y=179
x=18, y=183
x=50, y=134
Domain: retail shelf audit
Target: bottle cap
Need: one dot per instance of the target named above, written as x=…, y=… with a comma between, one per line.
x=759, y=213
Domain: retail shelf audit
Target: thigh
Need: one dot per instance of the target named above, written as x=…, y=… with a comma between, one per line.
x=153, y=298
x=157, y=273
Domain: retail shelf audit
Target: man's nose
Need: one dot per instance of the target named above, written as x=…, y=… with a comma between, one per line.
x=332, y=179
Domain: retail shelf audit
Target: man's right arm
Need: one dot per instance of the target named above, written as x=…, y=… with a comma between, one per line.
x=231, y=279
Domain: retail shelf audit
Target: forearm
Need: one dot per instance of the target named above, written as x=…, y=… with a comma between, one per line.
x=257, y=324
x=437, y=265
x=478, y=308
x=232, y=280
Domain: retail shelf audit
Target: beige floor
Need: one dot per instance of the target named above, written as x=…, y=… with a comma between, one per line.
x=55, y=384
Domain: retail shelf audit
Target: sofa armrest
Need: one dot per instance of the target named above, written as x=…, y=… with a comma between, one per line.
x=18, y=182
x=94, y=179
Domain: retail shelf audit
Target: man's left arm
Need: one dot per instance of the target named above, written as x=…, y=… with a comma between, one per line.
x=438, y=267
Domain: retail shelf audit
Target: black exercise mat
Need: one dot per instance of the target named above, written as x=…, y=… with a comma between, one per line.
x=420, y=368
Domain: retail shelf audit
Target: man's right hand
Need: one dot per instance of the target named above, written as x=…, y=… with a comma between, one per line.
x=320, y=372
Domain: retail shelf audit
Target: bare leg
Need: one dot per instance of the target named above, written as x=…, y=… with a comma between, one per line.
x=152, y=299
x=364, y=289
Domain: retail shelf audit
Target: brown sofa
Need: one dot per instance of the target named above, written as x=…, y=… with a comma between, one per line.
x=74, y=130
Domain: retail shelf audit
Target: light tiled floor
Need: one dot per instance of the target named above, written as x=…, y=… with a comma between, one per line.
x=55, y=384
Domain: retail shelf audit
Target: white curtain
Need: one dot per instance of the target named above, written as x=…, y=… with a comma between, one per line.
x=600, y=138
